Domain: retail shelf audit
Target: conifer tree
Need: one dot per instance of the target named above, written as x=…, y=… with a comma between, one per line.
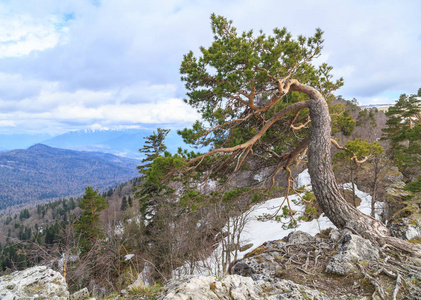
x=123, y=204
x=404, y=131
x=88, y=227
x=153, y=147
x=356, y=152
x=261, y=97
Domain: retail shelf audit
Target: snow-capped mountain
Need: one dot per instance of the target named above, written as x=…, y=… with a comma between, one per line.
x=124, y=142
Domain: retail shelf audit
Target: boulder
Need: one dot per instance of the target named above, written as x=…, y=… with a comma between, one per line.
x=351, y=248
x=208, y=288
x=34, y=283
x=80, y=295
x=299, y=237
x=334, y=235
x=406, y=228
x=236, y=287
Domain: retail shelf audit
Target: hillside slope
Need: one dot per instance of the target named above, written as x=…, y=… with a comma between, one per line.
x=43, y=172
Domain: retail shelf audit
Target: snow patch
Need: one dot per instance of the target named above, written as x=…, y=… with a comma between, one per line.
x=128, y=257
x=303, y=179
x=257, y=232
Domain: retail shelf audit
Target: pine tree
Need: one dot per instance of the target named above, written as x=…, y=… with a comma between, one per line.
x=88, y=227
x=154, y=146
x=404, y=131
x=355, y=152
x=124, y=204
x=261, y=97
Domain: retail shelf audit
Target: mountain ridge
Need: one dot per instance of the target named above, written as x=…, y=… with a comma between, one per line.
x=43, y=172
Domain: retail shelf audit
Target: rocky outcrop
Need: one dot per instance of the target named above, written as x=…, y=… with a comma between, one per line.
x=80, y=295
x=403, y=211
x=34, y=283
x=406, y=228
x=394, y=193
x=351, y=248
x=236, y=287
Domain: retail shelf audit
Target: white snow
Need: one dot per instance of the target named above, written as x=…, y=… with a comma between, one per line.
x=128, y=256
x=257, y=231
x=303, y=179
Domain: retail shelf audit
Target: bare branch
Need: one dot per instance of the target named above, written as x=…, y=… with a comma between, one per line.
x=335, y=143
x=253, y=140
x=301, y=125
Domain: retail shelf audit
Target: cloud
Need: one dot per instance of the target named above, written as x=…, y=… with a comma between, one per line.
x=22, y=34
x=72, y=64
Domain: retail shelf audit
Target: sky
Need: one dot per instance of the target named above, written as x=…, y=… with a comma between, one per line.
x=91, y=64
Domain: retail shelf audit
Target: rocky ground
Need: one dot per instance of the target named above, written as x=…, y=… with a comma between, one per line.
x=330, y=265
x=338, y=265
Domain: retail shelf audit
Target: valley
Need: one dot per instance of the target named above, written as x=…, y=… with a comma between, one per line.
x=45, y=173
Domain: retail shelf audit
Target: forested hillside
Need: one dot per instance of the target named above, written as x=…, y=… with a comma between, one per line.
x=50, y=225
x=43, y=172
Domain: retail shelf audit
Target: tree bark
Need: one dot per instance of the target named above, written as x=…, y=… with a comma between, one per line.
x=354, y=200
x=342, y=214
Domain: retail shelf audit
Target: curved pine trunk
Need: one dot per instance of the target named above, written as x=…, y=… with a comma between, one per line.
x=340, y=213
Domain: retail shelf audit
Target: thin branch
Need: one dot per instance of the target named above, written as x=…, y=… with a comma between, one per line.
x=254, y=139
x=335, y=143
x=300, y=125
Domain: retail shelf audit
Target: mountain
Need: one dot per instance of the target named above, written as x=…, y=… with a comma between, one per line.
x=126, y=142
x=43, y=172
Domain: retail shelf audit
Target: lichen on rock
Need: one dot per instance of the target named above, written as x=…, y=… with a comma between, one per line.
x=34, y=283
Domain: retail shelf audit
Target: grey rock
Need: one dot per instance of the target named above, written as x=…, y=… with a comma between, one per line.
x=299, y=237
x=236, y=287
x=351, y=248
x=334, y=235
x=205, y=287
x=406, y=228
x=339, y=264
x=34, y=283
x=143, y=279
x=393, y=175
x=80, y=295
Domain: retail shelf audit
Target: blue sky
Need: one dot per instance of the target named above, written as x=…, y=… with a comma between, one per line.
x=73, y=64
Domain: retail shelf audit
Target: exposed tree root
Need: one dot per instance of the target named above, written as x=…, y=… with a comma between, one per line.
x=377, y=286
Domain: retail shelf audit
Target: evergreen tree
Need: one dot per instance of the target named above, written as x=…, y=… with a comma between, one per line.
x=355, y=152
x=404, y=131
x=24, y=214
x=261, y=97
x=88, y=227
x=153, y=147
x=124, y=204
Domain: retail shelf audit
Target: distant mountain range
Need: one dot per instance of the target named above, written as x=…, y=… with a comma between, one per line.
x=126, y=142
x=43, y=172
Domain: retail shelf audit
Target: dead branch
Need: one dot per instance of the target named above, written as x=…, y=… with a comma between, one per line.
x=377, y=287
x=396, y=290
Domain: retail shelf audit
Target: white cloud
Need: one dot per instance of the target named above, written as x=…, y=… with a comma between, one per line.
x=7, y=123
x=22, y=34
x=73, y=64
